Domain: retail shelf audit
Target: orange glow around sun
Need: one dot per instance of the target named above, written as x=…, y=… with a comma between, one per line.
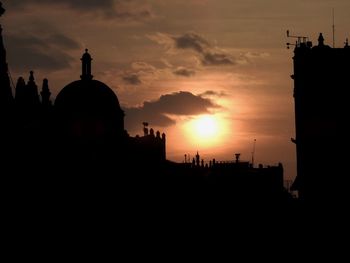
x=206, y=130
x=206, y=127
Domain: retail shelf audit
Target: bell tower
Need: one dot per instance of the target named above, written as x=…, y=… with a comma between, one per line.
x=321, y=81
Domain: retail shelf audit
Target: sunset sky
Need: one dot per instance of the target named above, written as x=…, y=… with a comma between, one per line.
x=212, y=74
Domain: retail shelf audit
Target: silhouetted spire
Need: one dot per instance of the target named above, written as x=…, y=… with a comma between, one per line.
x=45, y=93
x=86, y=66
x=197, y=159
x=31, y=78
x=20, y=83
x=2, y=10
x=347, y=43
x=20, y=91
x=5, y=86
x=33, y=94
x=321, y=40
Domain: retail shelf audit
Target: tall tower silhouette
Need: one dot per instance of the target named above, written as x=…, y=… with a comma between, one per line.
x=2, y=10
x=6, y=108
x=321, y=82
x=6, y=98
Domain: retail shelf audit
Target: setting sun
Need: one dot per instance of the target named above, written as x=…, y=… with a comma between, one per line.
x=206, y=130
x=206, y=127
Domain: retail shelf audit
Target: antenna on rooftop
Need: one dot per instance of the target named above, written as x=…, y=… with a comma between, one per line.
x=333, y=28
x=300, y=40
x=253, y=152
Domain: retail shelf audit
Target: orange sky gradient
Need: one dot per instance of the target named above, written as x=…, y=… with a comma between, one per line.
x=230, y=55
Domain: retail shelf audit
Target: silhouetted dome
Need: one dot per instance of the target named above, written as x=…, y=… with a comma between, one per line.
x=88, y=108
x=91, y=96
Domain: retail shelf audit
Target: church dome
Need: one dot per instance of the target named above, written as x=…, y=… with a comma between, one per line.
x=89, y=96
x=88, y=106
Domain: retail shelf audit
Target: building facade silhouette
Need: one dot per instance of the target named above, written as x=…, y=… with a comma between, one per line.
x=82, y=131
x=78, y=146
x=321, y=82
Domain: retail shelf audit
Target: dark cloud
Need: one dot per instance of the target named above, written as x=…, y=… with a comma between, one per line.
x=132, y=79
x=27, y=52
x=191, y=41
x=217, y=59
x=157, y=112
x=123, y=9
x=185, y=72
x=143, y=71
x=63, y=41
x=136, y=116
x=213, y=93
x=209, y=55
x=27, y=59
x=190, y=104
x=140, y=73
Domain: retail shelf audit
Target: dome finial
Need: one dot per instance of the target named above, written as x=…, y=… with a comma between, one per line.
x=86, y=66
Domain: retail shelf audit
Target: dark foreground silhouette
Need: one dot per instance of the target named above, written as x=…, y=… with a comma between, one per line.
x=74, y=159
x=77, y=150
x=321, y=81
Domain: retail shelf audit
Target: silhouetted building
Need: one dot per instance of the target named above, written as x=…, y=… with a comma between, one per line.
x=6, y=98
x=90, y=121
x=321, y=82
x=83, y=131
x=234, y=180
x=78, y=144
x=88, y=111
x=89, y=106
x=6, y=105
